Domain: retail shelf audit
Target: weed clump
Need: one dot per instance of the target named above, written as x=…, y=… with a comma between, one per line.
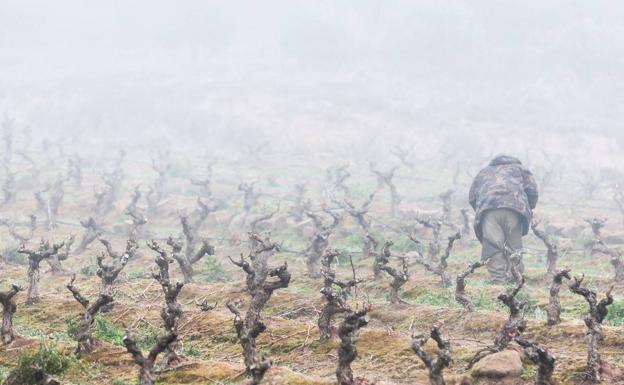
x=105, y=330
x=615, y=317
x=33, y=366
x=214, y=271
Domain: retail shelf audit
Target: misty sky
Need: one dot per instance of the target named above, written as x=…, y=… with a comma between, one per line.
x=551, y=64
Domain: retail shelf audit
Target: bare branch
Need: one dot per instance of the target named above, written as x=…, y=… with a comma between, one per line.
x=44, y=251
x=514, y=326
x=260, y=289
x=399, y=278
x=8, y=309
x=335, y=300
x=542, y=358
x=84, y=336
x=347, y=352
x=593, y=320
x=554, y=305
x=460, y=285
x=552, y=254
x=434, y=365
x=147, y=370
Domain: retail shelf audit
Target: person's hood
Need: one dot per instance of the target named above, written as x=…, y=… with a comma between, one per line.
x=504, y=159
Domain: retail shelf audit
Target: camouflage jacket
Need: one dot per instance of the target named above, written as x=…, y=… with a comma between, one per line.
x=504, y=183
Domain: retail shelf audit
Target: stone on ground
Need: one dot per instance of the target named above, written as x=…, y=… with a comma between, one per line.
x=499, y=365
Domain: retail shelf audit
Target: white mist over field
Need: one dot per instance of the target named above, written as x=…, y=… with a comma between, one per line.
x=460, y=78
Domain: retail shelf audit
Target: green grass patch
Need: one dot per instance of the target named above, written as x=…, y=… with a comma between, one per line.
x=482, y=300
x=105, y=330
x=403, y=244
x=574, y=309
x=87, y=271
x=192, y=350
x=529, y=301
x=442, y=298
x=102, y=329
x=615, y=317
x=4, y=373
x=351, y=243
x=19, y=258
x=34, y=332
x=214, y=271
x=47, y=357
x=527, y=373
x=137, y=275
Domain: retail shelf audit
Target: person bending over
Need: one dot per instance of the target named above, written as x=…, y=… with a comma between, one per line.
x=503, y=195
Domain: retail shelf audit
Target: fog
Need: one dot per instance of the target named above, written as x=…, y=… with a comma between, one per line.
x=229, y=146
x=493, y=76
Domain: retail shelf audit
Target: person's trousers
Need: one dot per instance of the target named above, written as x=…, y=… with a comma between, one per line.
x=500, y=228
